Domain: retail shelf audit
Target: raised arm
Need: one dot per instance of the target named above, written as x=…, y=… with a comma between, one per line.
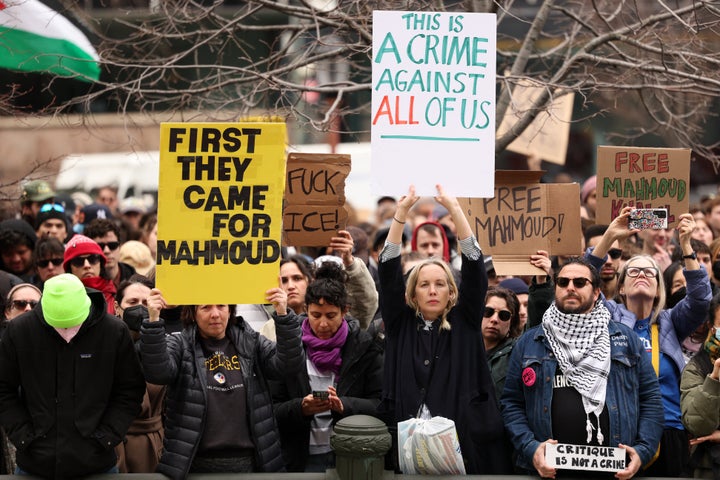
x=360, y=284
x=160, y=359
x=617, y=230
x=453, y=207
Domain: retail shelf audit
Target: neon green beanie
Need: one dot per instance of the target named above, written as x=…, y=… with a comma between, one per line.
x=65, y=303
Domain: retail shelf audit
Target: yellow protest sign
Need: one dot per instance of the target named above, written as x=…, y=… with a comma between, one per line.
x=219, y=211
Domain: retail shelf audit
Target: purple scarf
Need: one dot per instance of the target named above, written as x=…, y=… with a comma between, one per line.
x=325, y=354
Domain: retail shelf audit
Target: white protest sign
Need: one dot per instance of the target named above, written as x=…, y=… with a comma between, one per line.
x=433, y=102
x=585, y=457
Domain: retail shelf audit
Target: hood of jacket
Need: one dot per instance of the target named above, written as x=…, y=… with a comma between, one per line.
x=446, y=244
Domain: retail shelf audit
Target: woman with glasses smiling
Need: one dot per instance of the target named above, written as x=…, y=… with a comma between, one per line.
x=85, y=259
x=642, y=297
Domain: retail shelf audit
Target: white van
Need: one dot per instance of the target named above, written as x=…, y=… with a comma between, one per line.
x=136, y=173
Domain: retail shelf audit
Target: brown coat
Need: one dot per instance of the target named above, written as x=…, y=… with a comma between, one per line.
x=141, y=450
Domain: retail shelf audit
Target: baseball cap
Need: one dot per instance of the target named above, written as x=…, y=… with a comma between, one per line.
x=132, y=204
x=96, y=210
x=37, y=191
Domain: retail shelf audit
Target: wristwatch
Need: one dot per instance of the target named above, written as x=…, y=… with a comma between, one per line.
x=693, y=255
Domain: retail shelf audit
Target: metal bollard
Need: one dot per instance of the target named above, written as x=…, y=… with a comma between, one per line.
x=360, y=443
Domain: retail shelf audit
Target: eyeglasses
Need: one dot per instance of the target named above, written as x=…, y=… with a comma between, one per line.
x=503, y=315
x=111, y=245
x=615, y=253
x=578, y=282
x=647, y=271
x=22, y=304
x=52, y=206
x=44, y=263
x=78, y=262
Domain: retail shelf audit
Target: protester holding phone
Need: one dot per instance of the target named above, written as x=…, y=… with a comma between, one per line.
x=642, y=296
x=342, y=375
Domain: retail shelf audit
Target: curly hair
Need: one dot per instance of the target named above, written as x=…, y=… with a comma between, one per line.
x=329, y=285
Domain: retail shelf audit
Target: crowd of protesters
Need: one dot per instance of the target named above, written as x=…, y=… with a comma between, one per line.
x=398, y=316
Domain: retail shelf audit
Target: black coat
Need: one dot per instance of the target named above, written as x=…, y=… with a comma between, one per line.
x=359, y=387
x=77, y=399
x=178, y=361
x=461, y=387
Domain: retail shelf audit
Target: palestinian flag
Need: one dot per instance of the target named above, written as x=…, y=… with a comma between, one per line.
x=36, y=38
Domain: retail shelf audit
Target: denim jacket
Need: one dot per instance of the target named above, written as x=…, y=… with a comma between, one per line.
x=632, y=399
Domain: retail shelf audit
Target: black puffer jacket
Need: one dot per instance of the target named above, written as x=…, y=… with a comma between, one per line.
x=78, y=398
x=178, y=361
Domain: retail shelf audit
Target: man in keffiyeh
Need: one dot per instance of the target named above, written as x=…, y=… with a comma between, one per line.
x=580, y=378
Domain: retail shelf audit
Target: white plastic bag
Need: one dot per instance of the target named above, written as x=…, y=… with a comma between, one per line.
x=429, y=447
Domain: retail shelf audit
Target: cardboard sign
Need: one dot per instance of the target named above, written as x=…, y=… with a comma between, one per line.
x=525, y=216
x=642, y=178
x=314, y=198
x=547, y=136
x=585, y=457
x=219, y=211
x=433, y=102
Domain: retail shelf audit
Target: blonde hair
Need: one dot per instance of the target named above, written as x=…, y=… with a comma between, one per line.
x=412, y=285
x=659, y=300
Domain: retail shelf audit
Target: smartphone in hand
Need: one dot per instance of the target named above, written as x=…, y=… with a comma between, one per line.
x=648, y=218
x=321, y=394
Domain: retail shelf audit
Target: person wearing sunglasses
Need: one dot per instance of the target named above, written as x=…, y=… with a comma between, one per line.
x=106, y=233
x=500, y=329
x=48, y=258
x=579, y=378
x=434, y=353
x=51, y=221
x=21, y=298
x=642, y=296
x=84, y=259
x=610, y=270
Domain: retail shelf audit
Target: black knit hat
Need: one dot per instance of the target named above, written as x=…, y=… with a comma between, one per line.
x=48, y=211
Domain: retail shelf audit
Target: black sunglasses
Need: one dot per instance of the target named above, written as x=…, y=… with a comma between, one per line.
x=111, y=245
x=78, y=262
x=615, y=253
x=503, y=315
x=44, y=263
x=578, y=282
x=21, y=304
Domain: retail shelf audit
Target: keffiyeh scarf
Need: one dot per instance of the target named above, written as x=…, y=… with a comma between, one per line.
x=581, y=344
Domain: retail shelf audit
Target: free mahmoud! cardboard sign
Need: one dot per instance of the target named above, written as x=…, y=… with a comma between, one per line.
x=523, y=217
